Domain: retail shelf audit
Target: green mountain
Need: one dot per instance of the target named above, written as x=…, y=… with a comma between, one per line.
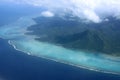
x=74, y=33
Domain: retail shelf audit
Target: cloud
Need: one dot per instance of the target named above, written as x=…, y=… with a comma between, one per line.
x=47, y=14
x=92, y=10
x=90, y=15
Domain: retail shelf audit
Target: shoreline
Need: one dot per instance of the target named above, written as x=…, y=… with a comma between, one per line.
x=67, y=63
x=58, y=60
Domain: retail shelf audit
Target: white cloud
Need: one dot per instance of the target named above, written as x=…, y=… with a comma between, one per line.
x=90, y=15
x=47, y=14
x=93, y=10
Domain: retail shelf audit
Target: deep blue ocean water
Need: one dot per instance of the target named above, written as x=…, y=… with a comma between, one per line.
x=15, y=65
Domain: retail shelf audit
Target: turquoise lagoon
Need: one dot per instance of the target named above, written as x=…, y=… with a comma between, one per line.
x=15, y=34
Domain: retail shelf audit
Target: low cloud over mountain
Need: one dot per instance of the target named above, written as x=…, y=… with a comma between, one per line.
x=90, y=10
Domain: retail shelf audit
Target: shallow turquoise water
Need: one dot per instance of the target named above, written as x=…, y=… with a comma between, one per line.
x=14, y=32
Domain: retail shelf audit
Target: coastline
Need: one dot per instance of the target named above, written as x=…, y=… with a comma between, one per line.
x=57, y=60
x=83, y=67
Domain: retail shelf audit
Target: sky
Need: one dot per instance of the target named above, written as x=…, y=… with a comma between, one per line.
x=91, y=10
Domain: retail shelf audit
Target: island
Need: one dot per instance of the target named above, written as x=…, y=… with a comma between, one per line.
x=76, y=34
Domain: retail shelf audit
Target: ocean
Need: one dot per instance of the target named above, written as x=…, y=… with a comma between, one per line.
x=16, y=65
